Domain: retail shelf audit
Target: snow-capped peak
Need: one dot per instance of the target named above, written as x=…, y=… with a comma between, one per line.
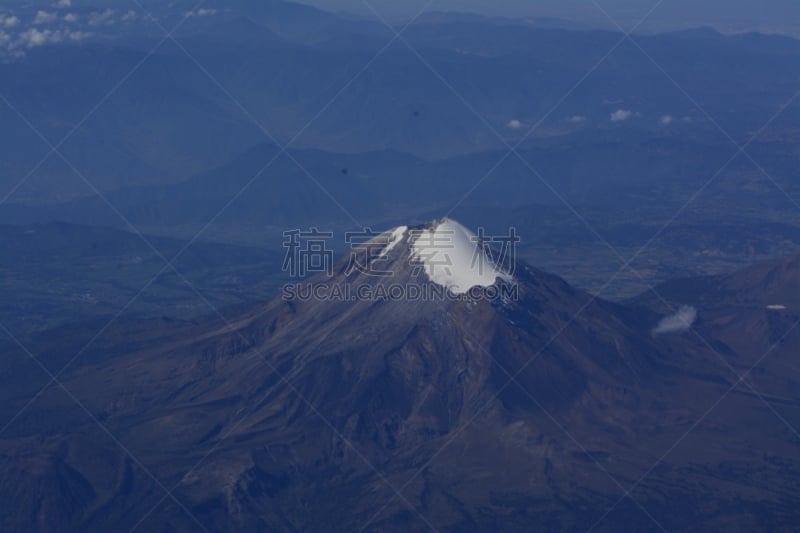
x=452, y=256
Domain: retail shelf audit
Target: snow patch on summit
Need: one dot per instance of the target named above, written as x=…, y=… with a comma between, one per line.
x=451, y=256
x=394, y=239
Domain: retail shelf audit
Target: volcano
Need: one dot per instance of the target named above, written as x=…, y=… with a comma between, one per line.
x=498, y=397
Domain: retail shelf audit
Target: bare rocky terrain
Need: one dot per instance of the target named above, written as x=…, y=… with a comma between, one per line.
x=557, y=411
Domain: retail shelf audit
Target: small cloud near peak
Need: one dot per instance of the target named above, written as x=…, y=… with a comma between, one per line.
x=682, y=320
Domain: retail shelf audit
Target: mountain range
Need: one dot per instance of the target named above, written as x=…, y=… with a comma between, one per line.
x=236, y=296
x=184, y=137
x=467, y=85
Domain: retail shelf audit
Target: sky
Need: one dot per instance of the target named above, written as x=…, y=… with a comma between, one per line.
x=771, y=16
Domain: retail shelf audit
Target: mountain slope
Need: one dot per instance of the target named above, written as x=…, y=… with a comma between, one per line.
x=309, y=414
x=752, y=317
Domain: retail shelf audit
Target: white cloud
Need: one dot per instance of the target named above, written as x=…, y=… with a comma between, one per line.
x=33, y=37
x=101, y=18
x=71, y=17
x=202, y=12
x=8, y=21
x=666, y=120
x=43, y=17
x=76, y=36
x=64, y=3
x=621, y=115
x=577, y=119
x=130, y=15
x=514, y=124
x=682, y=320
